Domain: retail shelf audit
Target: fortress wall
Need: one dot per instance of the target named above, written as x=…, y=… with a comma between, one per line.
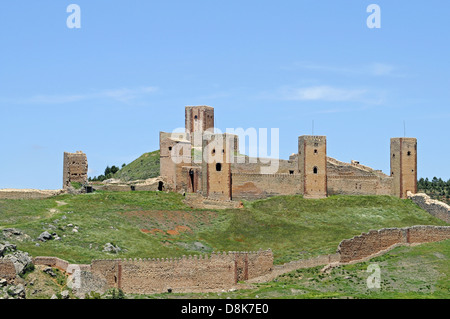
x=51, y=262
x=253, y=264
x=7, y=270
x=107, y=270
x=434, y=207
x=375, y=241
x=28, y=193
x=427, y=234
x=182, y=274
x=252, y=165
x=359, y=185
x=254, y=186
x=186, y=274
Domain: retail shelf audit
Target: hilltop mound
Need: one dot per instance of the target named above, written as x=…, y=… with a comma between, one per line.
x=144, y=167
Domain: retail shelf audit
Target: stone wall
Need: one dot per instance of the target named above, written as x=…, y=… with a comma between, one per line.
x=7, y=270
x=375, y=241
x=51, y=262
x=359, y=185
x=254, y=186
x=434, y=207
x=28, y=193
x=75, y=168
x=186, y=274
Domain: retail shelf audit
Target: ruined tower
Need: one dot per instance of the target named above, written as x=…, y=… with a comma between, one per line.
x=403, y=165
x=312, y=165
x=75, y=168
x=216, y=167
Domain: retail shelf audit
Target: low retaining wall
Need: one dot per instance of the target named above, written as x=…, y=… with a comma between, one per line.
x=28, y=193
x=368, y=244
x=434, y=207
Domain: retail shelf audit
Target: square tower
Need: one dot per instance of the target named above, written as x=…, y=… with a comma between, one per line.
x=216, y=167
x=75, y=168
x=312, y=165
x=403, y=166
x=199, y=119
x=175, y=152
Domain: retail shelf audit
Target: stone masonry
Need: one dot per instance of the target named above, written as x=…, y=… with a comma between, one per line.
x=75, y=168
x=312, y=173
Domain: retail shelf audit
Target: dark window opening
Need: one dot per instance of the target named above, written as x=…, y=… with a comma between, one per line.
x=393, y=155
x=195, y=117
x=89, y=189
x=214, y=151
x=409, y=153
x=170, y=148
x=218, y=167
x=291, y=172
x=315, y=151
x=133, y=188
x=191, y=178
x=315, y=170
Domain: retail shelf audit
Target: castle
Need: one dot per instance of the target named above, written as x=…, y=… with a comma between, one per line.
x=200, y=161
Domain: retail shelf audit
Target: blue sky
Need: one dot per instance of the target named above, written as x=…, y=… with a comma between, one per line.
x=109, y=87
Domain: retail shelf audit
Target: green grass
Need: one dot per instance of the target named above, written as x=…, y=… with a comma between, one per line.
x=76, y=185
x=146, y=166
x=291, y=226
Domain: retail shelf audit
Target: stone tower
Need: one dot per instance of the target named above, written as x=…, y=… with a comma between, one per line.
x=216, y=167
x=198, y=120
x=403, y=165
x=175, y=152
x=75, y=168
x=312, y=165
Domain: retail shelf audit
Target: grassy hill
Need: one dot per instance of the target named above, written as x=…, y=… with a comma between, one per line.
x=157, y=224
x=146, y=166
